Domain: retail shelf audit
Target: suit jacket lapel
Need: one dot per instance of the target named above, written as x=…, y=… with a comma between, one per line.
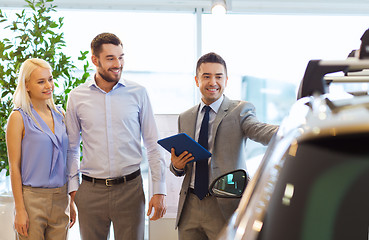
x=189, y=123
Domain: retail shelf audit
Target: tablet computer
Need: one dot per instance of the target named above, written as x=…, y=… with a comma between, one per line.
x=182, y=142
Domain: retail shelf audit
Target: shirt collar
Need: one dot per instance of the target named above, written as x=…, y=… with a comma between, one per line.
x=92, y=82
x=214, y=106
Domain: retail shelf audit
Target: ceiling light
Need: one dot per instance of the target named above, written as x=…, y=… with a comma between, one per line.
x=218, y=7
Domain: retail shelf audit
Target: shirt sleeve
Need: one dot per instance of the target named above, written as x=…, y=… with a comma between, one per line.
x=154, y=153
x=73, y=153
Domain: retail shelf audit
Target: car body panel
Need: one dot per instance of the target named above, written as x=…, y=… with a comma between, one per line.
x=313, y=180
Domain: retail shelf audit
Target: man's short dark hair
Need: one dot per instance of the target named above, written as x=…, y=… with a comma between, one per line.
x=104, y=38
x=210, y=58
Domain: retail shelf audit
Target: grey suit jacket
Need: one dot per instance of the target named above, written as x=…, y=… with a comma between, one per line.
x=235, y=122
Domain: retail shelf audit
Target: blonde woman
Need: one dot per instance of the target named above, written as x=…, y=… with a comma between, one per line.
x=37, y=150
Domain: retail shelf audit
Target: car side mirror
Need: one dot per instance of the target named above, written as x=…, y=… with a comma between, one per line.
x=229, y=185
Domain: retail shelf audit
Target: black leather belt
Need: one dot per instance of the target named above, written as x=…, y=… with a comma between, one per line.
x=191, y=190
x=113, y=181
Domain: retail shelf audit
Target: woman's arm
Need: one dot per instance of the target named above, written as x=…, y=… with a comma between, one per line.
x=14, y=135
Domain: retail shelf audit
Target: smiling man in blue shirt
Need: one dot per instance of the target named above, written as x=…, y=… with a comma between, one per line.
x=111, y=115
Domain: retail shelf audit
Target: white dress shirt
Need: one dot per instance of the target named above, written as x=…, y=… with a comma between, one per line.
x=212, y=114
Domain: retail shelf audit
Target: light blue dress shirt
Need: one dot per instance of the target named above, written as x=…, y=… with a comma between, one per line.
x=112, y=126
x=44, y=153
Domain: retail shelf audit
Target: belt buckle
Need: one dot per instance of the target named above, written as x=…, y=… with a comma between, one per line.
x=107, y=182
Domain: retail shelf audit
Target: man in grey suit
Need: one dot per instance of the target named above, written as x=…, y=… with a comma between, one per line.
x=230, y=124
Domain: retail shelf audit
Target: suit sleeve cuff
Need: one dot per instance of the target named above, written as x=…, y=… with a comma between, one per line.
x=178, y=171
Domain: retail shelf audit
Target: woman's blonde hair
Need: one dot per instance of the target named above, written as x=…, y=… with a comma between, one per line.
x=21, y=98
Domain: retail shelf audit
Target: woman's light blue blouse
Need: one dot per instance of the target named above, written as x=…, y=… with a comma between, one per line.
x=43, y=160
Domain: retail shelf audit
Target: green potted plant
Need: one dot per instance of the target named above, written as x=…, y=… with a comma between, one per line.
x=34, y=34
